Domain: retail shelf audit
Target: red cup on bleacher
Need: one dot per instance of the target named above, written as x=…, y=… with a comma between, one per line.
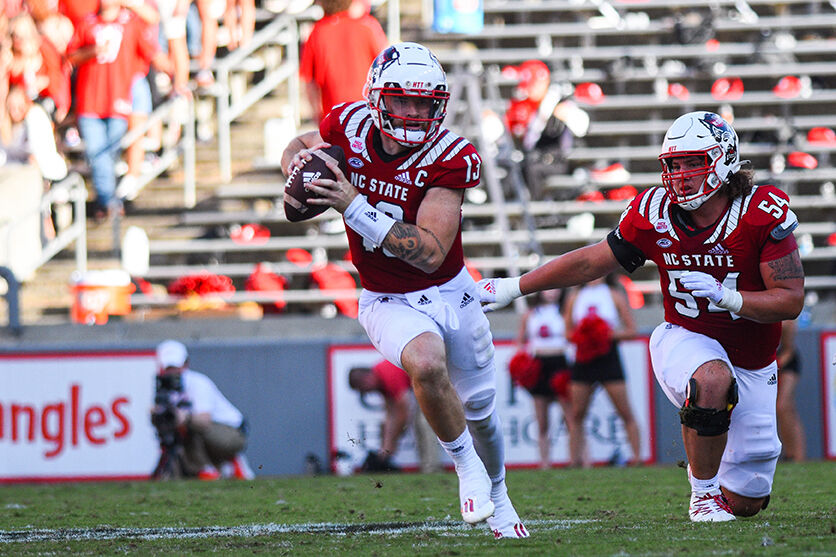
x=821, y=135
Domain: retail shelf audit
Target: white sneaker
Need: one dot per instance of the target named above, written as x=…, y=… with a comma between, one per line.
x=505, y=522
x=711, y=506
x=475, y=496
x=241, y=468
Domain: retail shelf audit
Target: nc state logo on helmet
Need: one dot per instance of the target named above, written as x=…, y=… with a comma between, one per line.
x=407, y=74
x=699, y=134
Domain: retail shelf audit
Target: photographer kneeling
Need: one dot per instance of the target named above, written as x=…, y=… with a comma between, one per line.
x=195, y=422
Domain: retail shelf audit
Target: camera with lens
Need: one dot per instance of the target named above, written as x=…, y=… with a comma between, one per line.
x=168, y=398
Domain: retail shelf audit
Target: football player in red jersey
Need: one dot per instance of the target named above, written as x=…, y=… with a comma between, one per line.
x=730, y=273
x=401, y=202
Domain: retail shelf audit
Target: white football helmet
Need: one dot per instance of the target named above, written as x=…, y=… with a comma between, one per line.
x=407, y=70
x=699, y=134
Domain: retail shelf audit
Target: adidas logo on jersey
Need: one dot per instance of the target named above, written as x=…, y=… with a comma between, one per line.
x=773, y=379
x=372, y=215
x=466, y=299
x=423, y=301
x=719, y=249
x=403, y=177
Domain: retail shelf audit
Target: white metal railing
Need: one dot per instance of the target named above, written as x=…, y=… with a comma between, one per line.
x=179, y=114
x=69, y=190
x=393, y=20
x=282, y=31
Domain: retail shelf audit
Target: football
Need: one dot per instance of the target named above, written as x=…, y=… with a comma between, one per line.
x=296, y=194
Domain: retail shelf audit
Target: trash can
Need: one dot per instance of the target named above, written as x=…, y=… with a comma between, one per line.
x=458, y=16
x=99, y=294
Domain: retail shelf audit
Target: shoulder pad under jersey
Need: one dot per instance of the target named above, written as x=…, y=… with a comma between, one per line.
x=768, y=206
x=646, y=209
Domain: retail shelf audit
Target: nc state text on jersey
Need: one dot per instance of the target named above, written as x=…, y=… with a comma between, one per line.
x=385, y=189
x=698, y=260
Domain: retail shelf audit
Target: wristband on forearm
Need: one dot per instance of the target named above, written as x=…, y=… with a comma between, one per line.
x=512, y=287
x=368, y=222
x=732, y=300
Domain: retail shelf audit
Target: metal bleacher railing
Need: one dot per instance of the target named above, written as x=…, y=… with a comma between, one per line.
x=282, y=32
x=69, y=193
x=178, y=113
x=70, y=190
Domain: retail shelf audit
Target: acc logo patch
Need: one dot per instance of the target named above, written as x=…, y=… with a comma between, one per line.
x=354, y=162
x=661, y=226
x=663, y=243
x=356, y=145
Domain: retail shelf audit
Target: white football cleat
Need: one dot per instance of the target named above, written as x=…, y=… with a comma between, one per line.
x=515, y=531
x=505, y=522
x=711, y=506
x=475, y=510
x=475, y=497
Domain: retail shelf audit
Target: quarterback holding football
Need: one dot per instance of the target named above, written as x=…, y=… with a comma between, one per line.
x=401, y=200
x=730, y=272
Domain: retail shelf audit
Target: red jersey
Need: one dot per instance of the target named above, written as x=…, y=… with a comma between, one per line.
x=103, y=83
x=394, y=381
x=396, y=185
x=754, y=229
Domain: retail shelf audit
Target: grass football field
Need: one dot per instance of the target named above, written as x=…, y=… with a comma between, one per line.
x=603, y=511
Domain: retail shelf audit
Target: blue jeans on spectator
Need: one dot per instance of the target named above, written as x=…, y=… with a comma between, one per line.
x=194, y=30
x=101, y=146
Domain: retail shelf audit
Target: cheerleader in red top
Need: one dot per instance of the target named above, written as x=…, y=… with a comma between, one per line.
x=597, y=317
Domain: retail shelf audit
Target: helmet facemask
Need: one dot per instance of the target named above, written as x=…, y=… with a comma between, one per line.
x=409, y=129
x=673, y=180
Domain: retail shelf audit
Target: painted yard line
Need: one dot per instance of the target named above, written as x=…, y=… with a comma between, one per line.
x=105, y=533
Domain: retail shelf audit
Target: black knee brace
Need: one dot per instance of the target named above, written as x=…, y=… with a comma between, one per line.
x=708, y=422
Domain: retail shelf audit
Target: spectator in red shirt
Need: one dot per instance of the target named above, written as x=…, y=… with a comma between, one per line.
x=106, y=49
x=335, y=74
x=394, y=386
x=37, y=66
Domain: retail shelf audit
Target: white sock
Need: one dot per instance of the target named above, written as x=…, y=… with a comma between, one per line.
x=461, y=450
x=704, y=486
x=487, y=438
x=498, y=488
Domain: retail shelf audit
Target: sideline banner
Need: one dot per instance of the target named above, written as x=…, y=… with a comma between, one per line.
x=77, y=416
x=828, y=390
x=356, y=423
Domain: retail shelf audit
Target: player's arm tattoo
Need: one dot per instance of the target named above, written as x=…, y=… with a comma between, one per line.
x=787, y=267
x=405, y=242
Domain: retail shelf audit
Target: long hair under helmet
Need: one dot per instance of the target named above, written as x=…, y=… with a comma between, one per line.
x=407, y=70
x=702, y=134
